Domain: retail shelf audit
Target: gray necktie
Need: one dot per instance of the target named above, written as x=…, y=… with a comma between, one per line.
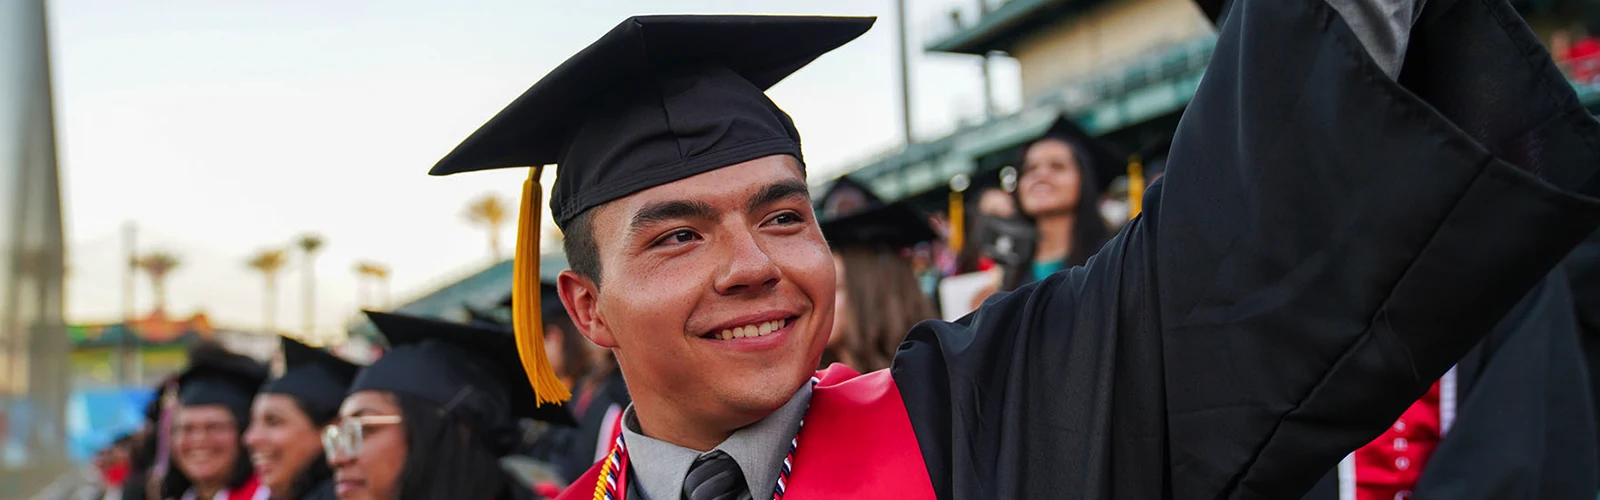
x=715, y=476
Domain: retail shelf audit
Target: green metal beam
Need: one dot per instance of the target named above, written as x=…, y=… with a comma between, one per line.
x=1002, y=23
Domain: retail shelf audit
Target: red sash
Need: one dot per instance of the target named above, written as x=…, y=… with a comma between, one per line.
x=246, y=491
x=857, y=443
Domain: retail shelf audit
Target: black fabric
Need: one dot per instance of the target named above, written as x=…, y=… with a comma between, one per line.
x=549, y=299
x=593, y=424
x=1315, y=256
x=896, y=225
x=1523, y=426
x=470, y=372
x=657, y=99
x=314, y=377
x=323, y=491
x=1583, y=271
x=715, y=476
x=218, y=377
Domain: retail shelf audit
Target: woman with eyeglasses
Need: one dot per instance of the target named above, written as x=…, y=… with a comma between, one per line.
x=286, y=421
x=207, y=457
x=432, y=418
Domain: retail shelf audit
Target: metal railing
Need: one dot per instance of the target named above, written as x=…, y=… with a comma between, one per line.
x=1156, y=65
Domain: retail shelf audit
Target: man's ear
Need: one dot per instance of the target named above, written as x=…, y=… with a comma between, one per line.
x=582, y=299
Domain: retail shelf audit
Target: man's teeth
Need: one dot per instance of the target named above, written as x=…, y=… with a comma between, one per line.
x=755, y=330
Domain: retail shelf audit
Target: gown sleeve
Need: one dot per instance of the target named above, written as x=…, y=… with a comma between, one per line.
x=1327, y=241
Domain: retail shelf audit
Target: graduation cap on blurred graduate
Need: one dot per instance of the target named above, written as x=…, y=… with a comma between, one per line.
x=895, y=225
x=655, y=100
x=844, y=197
x=216, y=376
x=315, y=377
x=470, y=372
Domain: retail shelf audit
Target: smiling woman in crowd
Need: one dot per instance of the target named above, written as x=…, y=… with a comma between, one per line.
x=208, y=460
x=286, y=421
x=1058, y=190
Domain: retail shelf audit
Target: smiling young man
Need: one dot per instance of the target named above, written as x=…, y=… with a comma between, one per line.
x=1309, y=264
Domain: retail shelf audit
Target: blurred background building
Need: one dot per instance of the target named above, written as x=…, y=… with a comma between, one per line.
x=1125, y=70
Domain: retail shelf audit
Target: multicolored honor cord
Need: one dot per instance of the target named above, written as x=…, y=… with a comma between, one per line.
x=613, y=480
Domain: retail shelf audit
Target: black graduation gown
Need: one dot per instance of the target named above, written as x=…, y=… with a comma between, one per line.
x=1524, y=422
x=580, y=456
x=571, y=450
x=1315, y=257
x=1583, y=272
x=322, y=491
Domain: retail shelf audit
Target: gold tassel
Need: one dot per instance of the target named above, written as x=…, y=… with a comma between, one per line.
x=957, y=221
x=1135, y=186
x=526, y=320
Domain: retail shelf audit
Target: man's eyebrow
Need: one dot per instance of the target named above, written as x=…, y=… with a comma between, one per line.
x=670, y=210
x=779, y=191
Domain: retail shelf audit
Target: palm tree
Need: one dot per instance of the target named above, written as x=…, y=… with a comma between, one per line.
x=490, y=212
x=377, y=281
x=269, y=263
x=158, y=265
x=309, y=243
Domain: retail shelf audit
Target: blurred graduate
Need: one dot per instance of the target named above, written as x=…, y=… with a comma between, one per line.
x=433, y=417
x=287, y=419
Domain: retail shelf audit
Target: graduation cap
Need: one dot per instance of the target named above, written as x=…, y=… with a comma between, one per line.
x=1107, y=165
x=470, y=372
x=219, y=377
x=315, y=377
x=836, y=201
x=655, y=100
x=896, y=225
x=482, y=318
x=1155, y=153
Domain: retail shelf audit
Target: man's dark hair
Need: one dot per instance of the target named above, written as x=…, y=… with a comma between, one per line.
x=582, y=253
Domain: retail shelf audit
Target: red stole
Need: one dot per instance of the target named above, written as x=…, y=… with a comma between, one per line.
x=1388, y=468
x=248, y=490
x=857, y=443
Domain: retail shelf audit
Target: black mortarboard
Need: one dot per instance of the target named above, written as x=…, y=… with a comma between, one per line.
x=484, y=318
x=655, y=100
x=1107, y=165
x=219, y=377
x=549, y=299
x=1154, y=154
x=829, y=206
x=315, y=377
x=896, y=225
x=470, y=372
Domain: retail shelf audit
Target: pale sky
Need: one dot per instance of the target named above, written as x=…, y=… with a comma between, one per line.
x=222, y=128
